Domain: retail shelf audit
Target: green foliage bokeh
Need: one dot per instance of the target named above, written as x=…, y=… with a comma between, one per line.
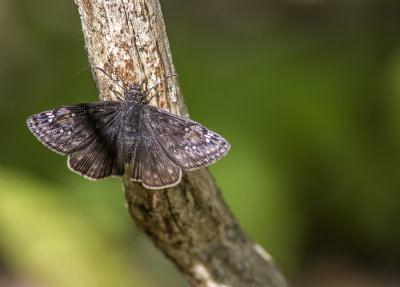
x=309, y=104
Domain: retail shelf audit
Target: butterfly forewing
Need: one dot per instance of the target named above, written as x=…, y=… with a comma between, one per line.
x=189, y=144
x=69, y=127
x=86, y=132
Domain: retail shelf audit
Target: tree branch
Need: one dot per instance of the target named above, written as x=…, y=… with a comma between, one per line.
x=190, y=223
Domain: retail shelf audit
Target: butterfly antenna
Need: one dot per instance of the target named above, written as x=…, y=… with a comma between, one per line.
x=111, y=78
x=148, y=101
x=122, y=81
x=118, y=95
x=156, y=85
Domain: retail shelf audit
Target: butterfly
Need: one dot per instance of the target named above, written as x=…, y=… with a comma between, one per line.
x=102, y=138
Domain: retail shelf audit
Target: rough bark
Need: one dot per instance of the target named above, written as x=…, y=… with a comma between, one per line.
x=190, y=223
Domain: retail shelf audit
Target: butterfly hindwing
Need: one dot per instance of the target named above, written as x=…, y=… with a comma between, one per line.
x=96, y=161
x=189, y=144
x=151, y=165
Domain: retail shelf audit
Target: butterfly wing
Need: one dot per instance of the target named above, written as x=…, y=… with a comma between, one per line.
x=150, y=164
x=87, y=133
x=187, y=143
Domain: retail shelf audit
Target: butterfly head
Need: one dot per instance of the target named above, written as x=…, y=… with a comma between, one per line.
x=134, y=93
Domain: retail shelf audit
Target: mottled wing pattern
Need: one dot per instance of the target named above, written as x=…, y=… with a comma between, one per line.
x=187, y=143
x=86, y=132
x=151, y=165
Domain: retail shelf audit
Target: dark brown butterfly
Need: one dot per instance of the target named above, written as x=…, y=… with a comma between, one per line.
x=100, y=138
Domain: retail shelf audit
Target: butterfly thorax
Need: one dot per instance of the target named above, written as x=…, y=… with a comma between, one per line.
x=131, y=119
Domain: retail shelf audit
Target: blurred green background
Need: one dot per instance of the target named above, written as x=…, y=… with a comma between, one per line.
x=306, y=91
